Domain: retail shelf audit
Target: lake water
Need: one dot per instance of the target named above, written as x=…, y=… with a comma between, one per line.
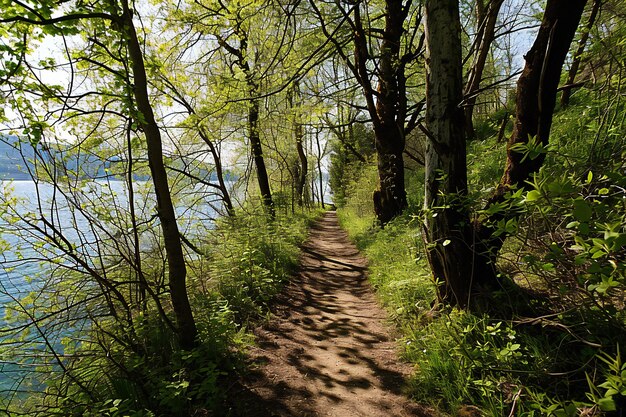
x=25, y=254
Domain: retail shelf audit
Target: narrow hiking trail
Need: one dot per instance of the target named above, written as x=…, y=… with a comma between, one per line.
x=327, y=351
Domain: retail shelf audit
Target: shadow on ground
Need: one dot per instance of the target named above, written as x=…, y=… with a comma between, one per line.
x=327, y=352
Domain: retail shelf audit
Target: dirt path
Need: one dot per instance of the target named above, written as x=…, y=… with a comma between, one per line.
x=327, y=351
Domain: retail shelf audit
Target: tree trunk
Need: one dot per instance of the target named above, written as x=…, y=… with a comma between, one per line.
x=536, y=98
x=389, y=115
x=177, y=271
x=301, y=180
x=390, y=199
x=484, y=38
x=219, y=173
x=387, y=103
x=447, y=218
x=536, y=87
x=240, y=53
x=257, y=153
x=319, y=168
x=302, y=168
x=571, y=76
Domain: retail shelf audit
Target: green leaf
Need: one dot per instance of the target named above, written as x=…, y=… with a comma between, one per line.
x=582, y=210
x=607, y=404
x=598, y=254
x=446, y=242
x=584, y=229
x=533, y=195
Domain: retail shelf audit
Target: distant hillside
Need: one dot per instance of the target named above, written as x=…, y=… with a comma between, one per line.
x=13, y=160
x=16, y=159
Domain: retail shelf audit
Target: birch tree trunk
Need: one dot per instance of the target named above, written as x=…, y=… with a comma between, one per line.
x=447, y=218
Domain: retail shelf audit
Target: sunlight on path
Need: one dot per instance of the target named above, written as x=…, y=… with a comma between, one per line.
x=327, y=351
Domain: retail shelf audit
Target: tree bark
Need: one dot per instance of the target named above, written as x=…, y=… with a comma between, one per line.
x=387, y=103
x=177, y=270
x=241, y=60
x=304, y=167
x=390, y=200
x=319, y=168
x=447, y=217
x=571, y=76
x=537, y=86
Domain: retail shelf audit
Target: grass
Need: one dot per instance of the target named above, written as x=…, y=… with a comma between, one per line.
x=396, y=268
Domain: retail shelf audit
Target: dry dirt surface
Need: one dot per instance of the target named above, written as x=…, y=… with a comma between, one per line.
x=327, y=351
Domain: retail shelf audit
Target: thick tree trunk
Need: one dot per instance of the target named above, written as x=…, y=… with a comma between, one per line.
x=536, y=98
x=387, y=103
x=177, y=271
x=571, y=76
x=447, y=218
x=487, y=20
x=390, y=199
x=536, y=87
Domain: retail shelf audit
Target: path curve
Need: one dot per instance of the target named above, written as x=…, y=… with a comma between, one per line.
x=327, y=351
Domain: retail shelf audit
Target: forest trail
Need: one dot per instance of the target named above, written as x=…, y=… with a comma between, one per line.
x=327, y=350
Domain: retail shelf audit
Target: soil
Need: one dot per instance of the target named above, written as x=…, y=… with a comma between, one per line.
x=327, y=351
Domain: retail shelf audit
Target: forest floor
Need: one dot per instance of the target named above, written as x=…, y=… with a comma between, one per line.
x=327, y=351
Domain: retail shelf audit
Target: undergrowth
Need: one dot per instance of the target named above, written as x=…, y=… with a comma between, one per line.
x=551, y=342
x=245, y=262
